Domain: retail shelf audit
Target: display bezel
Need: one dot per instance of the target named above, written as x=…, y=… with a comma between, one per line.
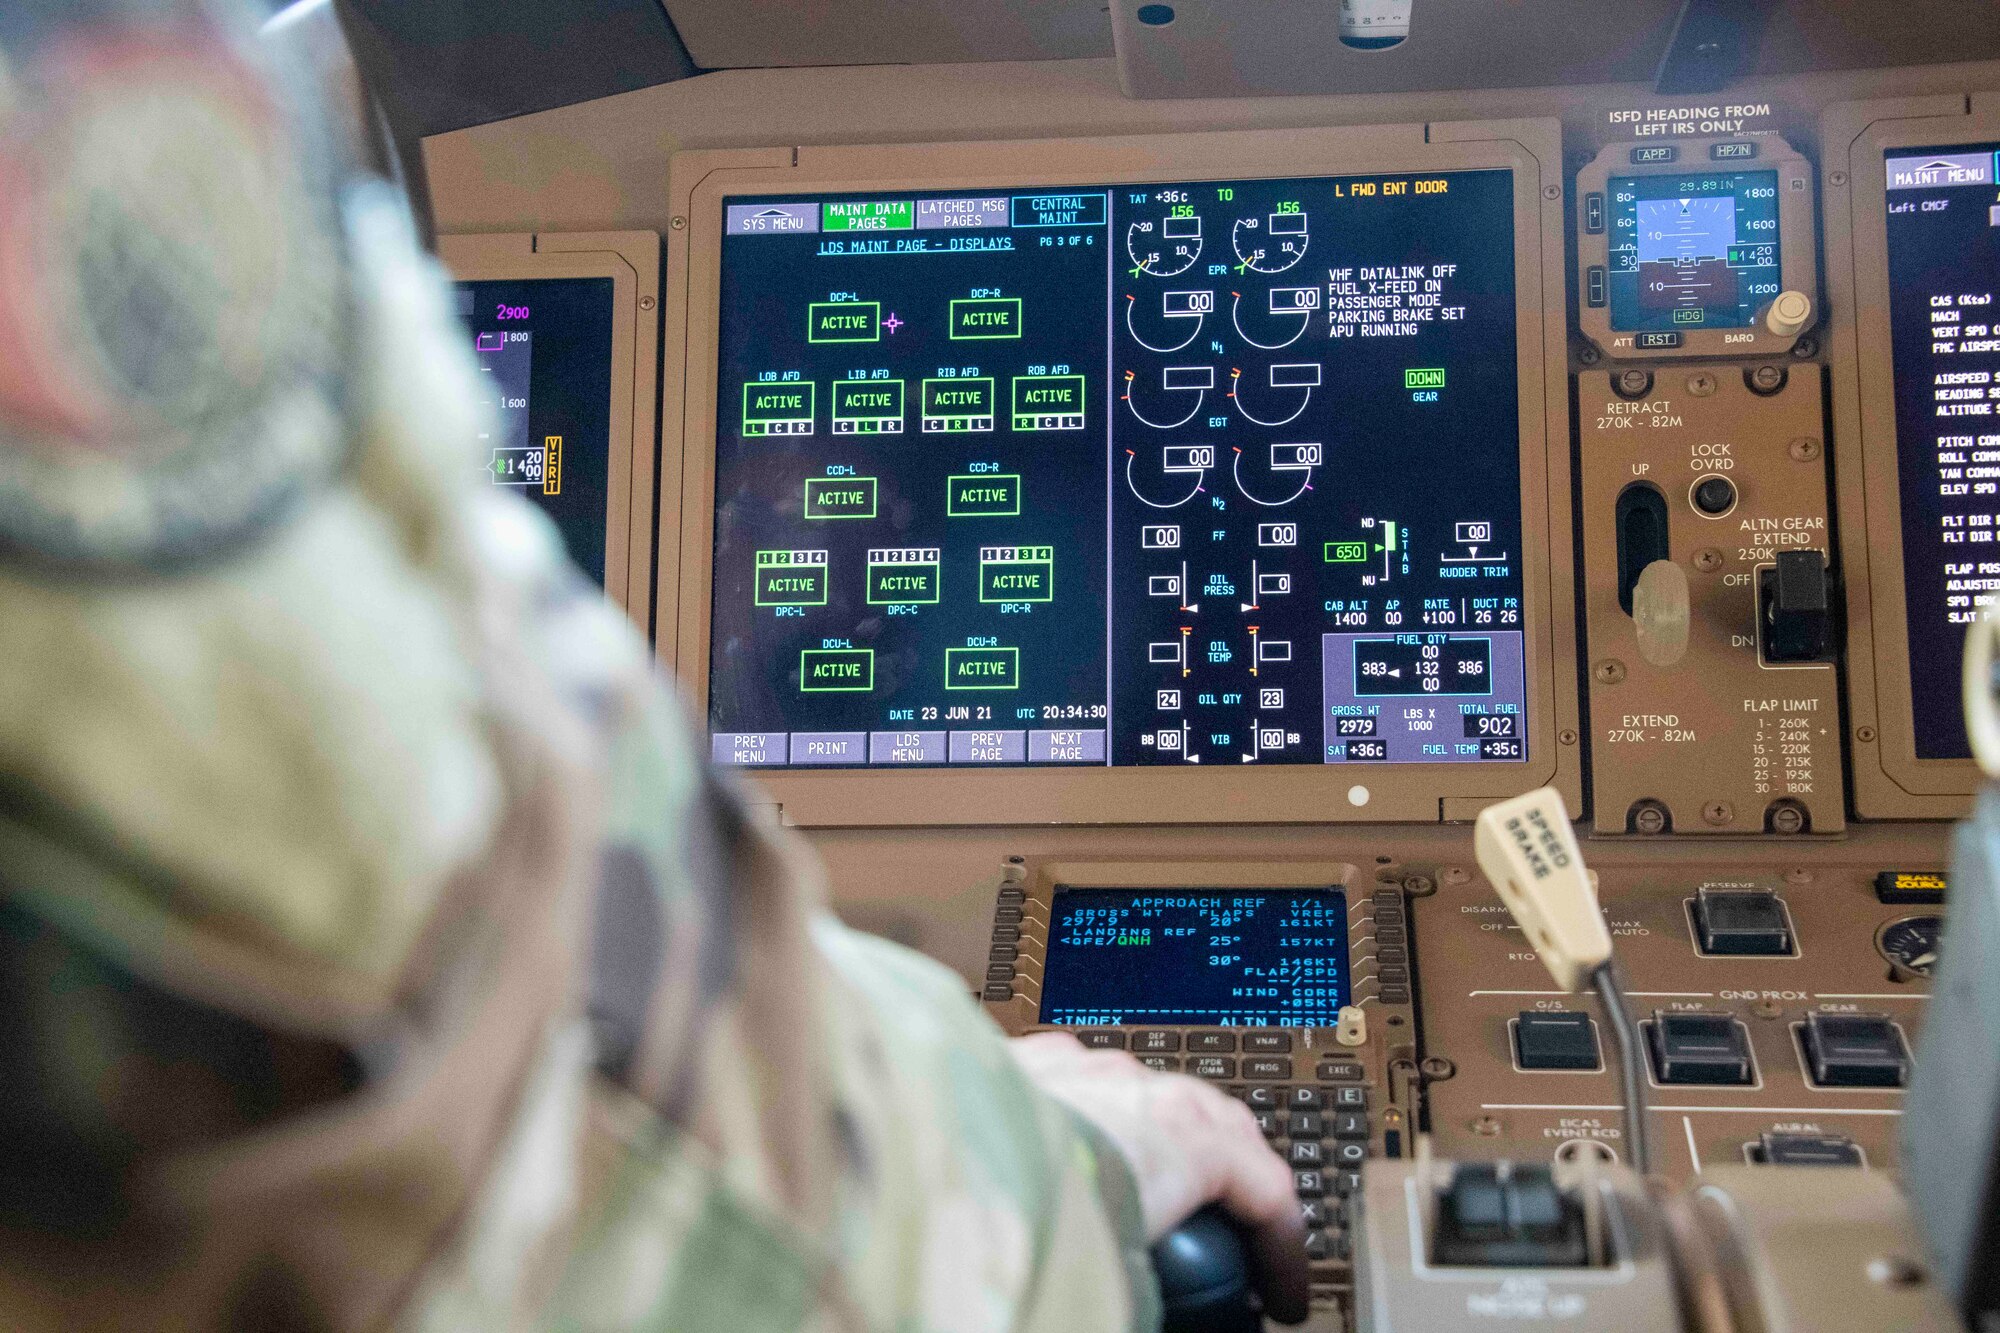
x=1890, y=781
x=1104, y=795
x=631, y=259
x=1691, y=157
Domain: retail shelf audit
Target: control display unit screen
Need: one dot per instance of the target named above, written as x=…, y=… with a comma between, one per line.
x=1944, y=325
x=543, y=346
x=1201, y=957
x=1220, y=472
x=1694, y=250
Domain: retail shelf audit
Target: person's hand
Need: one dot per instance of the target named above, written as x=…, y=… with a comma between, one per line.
x=1188, y=1144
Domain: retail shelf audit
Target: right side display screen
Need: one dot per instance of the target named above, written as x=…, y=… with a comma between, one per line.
x=1944, y=274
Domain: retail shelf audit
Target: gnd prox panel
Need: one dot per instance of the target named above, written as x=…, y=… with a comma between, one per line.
x=1106, y=464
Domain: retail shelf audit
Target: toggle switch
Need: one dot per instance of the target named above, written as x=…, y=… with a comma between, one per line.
x=1795, y=605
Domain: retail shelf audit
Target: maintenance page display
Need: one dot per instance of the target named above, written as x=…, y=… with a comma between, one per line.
x=1222, y=472
x=1944, y=272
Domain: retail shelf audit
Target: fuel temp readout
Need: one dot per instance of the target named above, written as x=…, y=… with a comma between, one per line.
x=1267, y=957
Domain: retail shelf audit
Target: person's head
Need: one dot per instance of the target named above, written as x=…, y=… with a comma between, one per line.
x=191, y=355
x=174, y=308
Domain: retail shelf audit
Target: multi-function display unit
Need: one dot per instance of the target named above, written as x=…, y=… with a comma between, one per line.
x=564, y=331
x=1124, y=455
x=1915, y=267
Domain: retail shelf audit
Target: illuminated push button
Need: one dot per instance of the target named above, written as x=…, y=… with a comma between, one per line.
x=1700, y=1048
x=1066, y=747
x=1742, y=921
x=906, y=747
x=829, y=747
x=1910, y=886
x=748, y=747
x=1789, y=314
x=989, y=747
x=1855, y=1051
x=1549, y=1041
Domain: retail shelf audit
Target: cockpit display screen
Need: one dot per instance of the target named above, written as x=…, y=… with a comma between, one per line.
x=1216, y=472
x=1201, y=957
x=543, y=350
x=1944, y=325
x=1694, y=250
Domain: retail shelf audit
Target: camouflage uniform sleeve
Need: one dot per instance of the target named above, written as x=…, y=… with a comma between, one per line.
x=816, y=1129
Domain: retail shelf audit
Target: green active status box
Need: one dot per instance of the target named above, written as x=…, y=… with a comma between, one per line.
x=873, y=215
x=791, y=578
x=982, y=668
x=997, y=496
x=1017, y=573
x=867, y=407
x=1429, y=378
x=983, y=318
x=903, y=575
x=844, y=322
x=778, y=407
x=1048, y=402
x=840, y=497
x=958, y=405
x=1346, y=553
x=836, y=670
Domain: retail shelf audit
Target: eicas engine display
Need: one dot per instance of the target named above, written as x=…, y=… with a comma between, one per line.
x=1216, y=472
